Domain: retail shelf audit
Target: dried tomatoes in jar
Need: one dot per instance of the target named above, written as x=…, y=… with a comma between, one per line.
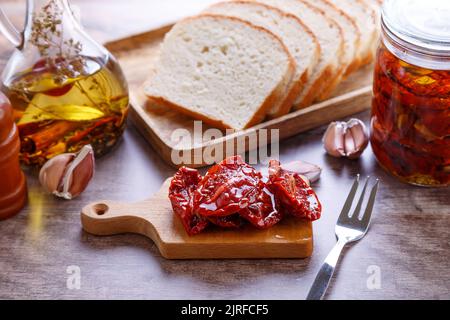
x=411, y=105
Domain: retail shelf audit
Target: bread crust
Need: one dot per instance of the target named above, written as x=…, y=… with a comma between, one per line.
x=328, y=91
x=329, y=73
x=298, y=87
x=311, y=95
x=288, y=103
x=355, y=64
x=370, y=55
x=346, y=66
x=278, y=93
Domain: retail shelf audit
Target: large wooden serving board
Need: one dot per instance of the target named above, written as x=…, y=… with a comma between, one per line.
x=154, y=218
x=137, y=56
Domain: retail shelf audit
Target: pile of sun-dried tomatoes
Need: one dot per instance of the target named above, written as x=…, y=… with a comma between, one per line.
x=233, y=194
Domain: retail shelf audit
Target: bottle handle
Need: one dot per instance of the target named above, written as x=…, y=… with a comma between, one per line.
x=8, y=29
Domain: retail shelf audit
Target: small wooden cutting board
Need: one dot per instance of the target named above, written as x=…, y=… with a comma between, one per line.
x=154, y=218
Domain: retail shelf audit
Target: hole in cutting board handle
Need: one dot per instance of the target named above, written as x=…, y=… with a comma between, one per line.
x=100, y=209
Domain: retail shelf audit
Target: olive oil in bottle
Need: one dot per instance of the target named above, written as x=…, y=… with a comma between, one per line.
x=56, y=116
x=66, y=90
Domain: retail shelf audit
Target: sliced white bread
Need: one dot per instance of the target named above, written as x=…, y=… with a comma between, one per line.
x=352, y=33
x=330, y=36
x=366, y=19
x=352, y=36
x=222, y=70
x=376, y=5
x=300, y=41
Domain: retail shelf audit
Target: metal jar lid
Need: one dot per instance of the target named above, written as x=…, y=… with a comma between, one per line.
x=419, y=31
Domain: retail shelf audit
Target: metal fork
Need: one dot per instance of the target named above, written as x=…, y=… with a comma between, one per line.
x=349, y=228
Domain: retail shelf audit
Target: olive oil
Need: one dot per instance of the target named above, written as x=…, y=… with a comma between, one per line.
x=66, y=90
x=58, y=111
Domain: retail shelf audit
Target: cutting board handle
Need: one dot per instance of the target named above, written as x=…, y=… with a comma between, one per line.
x=106, y=218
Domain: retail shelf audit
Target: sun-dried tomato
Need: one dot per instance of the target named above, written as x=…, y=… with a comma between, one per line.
x=233, y=193
x=263, y=214
x=181, y=190
x=234, y=221
x=295, y=196
x=227, y=188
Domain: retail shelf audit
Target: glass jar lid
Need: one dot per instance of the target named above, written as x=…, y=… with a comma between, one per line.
x=420, y=29
x=422, y=23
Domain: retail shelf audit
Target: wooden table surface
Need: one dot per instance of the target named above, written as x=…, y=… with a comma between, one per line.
x=408, y=246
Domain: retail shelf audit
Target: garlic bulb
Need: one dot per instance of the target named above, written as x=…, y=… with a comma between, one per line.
x=67, y=175
x=346, y=139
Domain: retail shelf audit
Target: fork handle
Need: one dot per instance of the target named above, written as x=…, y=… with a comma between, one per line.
x=325, y=274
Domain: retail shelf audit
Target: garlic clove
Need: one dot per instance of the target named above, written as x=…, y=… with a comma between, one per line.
x=359, y=136
x=310, y=171
x=334, y=139
x=79, y=174
x=349, y=142
x=51, y=173
x=68, y=175
x=346, y=139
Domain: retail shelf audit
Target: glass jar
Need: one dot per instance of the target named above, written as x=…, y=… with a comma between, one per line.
x=67, y=91
x=410, y=126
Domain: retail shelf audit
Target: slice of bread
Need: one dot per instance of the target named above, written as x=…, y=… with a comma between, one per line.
x=222, y=70
x=300, y=41
x=330, y=36
x=352, y=33
x=352, y=36
x=376, y=5
x=366, y=19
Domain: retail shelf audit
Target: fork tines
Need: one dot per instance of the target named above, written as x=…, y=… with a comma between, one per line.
x=347, y=216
